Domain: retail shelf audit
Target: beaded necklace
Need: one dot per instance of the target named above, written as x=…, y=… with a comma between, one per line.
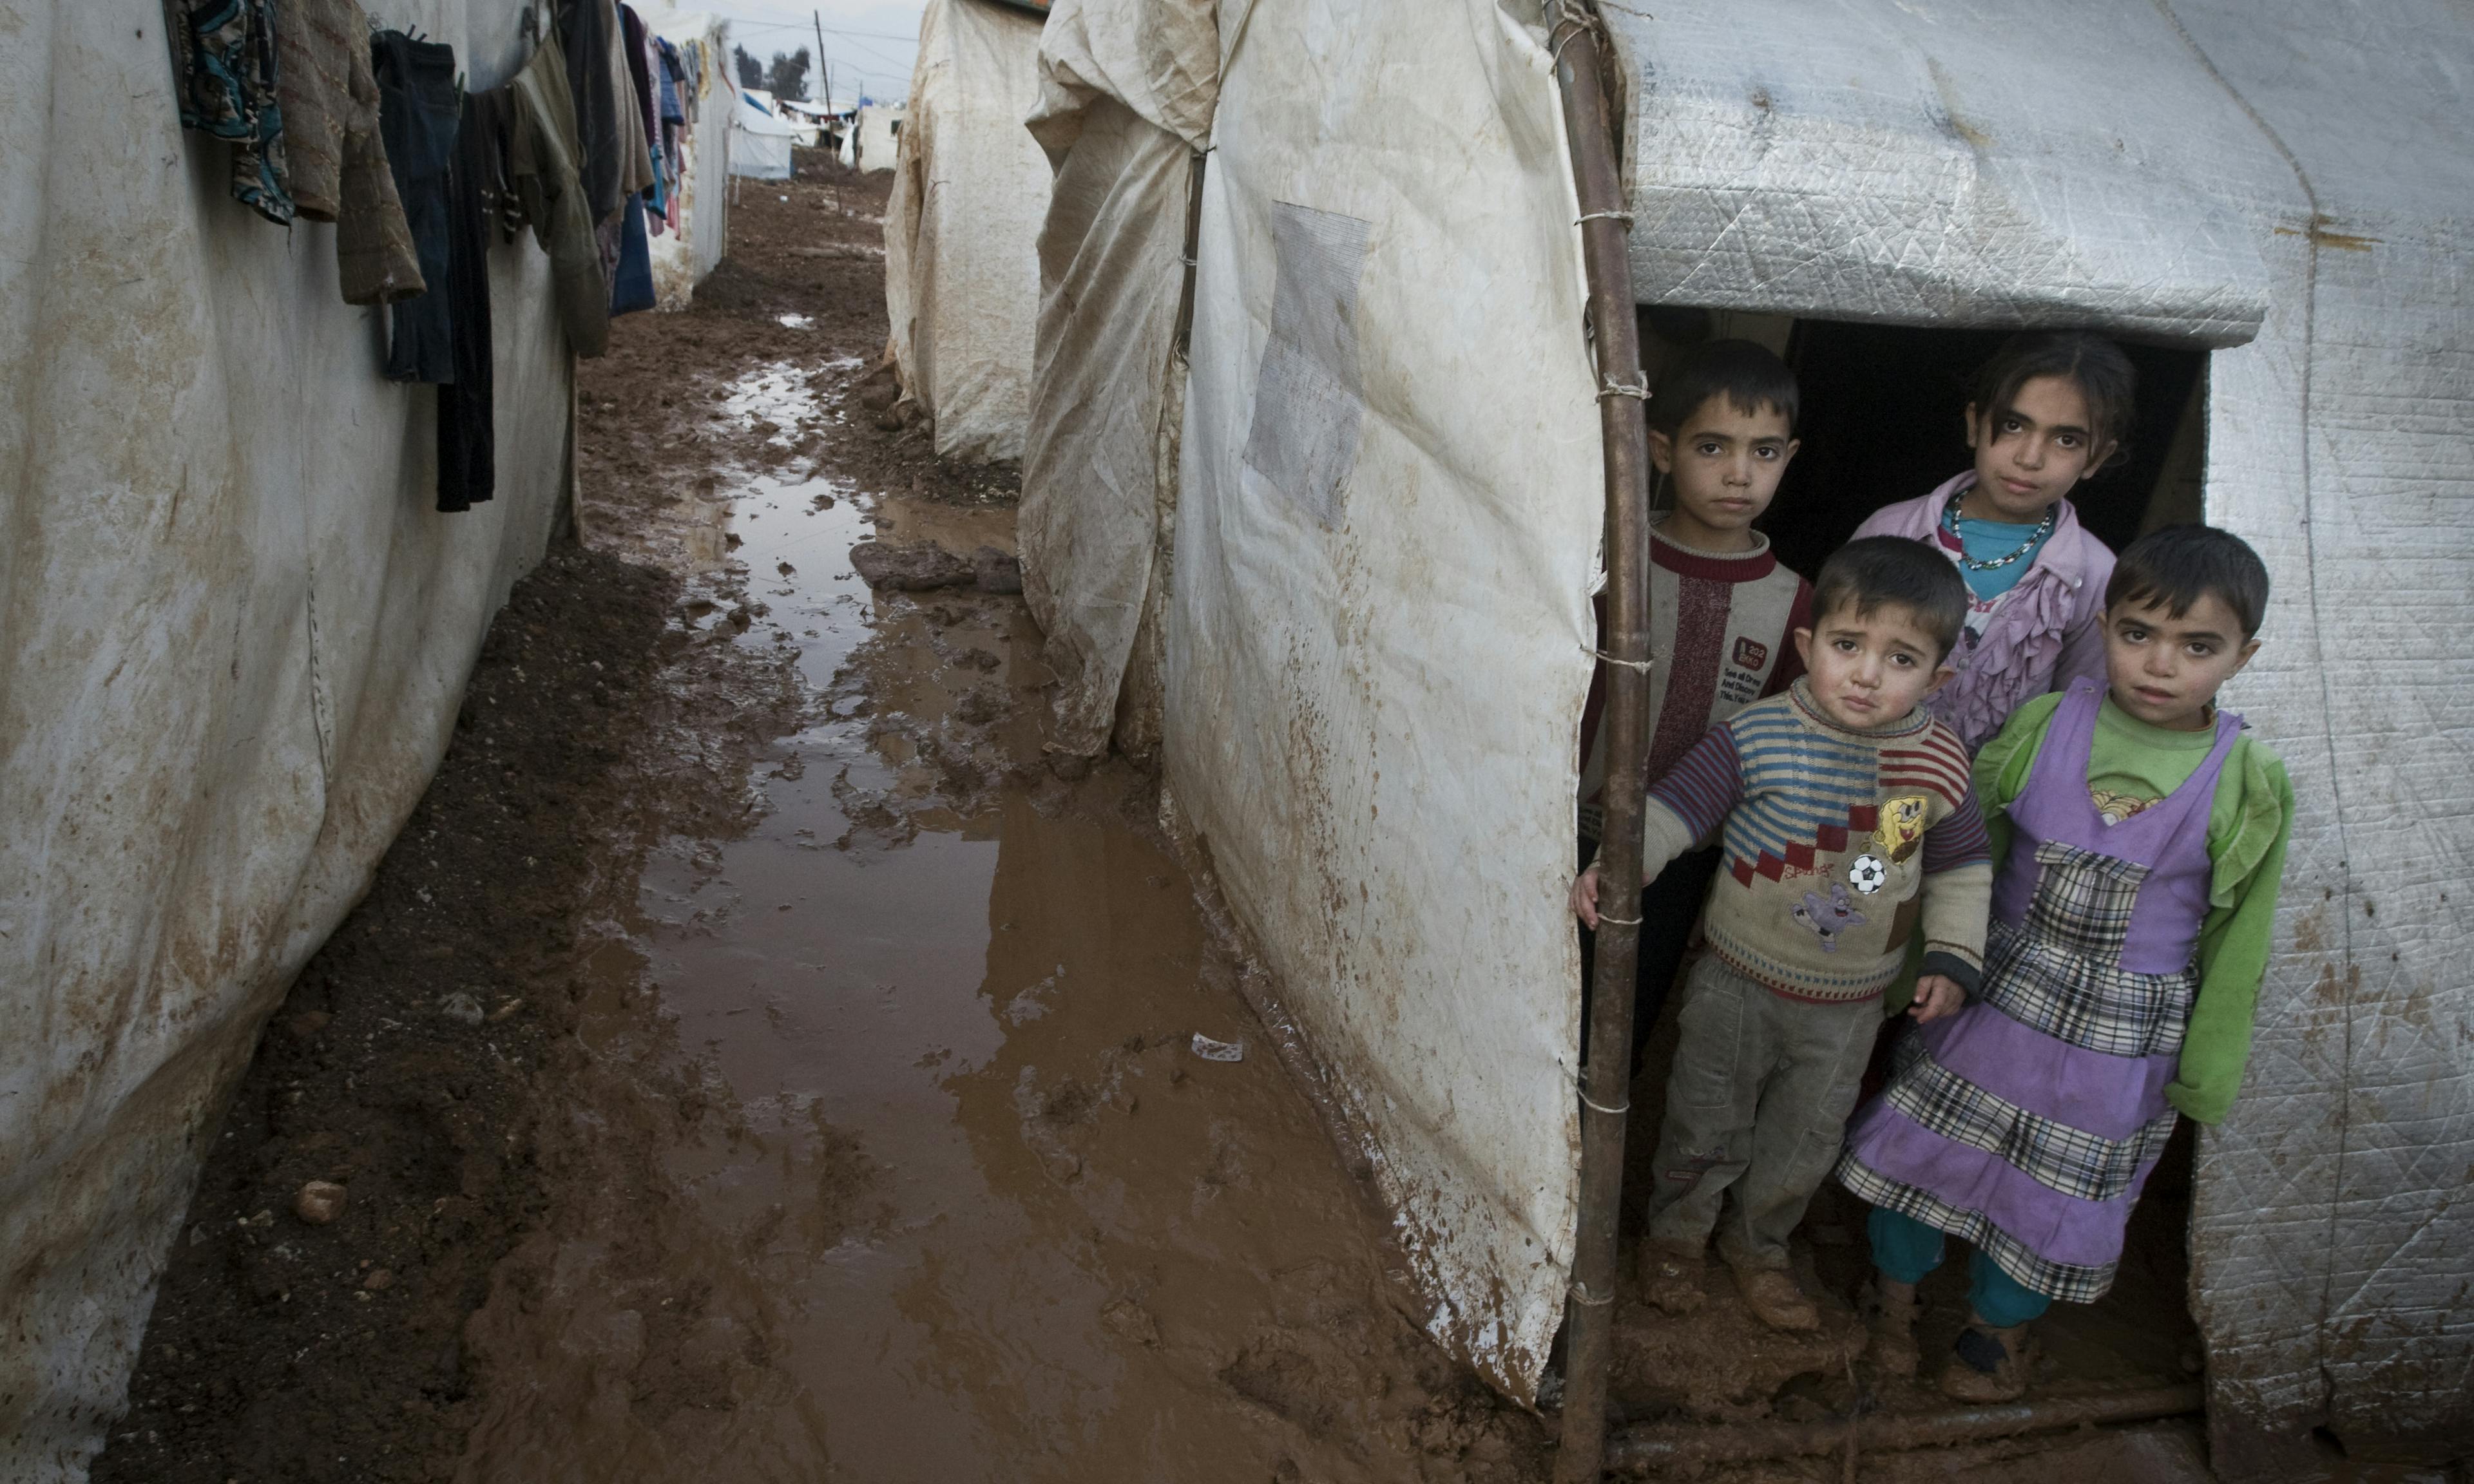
x=2044, y=528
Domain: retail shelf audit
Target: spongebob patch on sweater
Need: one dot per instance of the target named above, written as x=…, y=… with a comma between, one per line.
x=1902, y=826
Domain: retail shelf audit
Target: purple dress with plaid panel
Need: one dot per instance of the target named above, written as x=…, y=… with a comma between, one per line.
x=2027, y=1123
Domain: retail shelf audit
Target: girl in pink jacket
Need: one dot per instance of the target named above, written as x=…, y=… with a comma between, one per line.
x=2047, y=411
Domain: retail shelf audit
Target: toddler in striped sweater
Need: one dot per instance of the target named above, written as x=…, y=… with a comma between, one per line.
x=1847, y=825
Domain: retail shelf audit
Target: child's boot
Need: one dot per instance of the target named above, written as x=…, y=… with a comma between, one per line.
x=1890, y=1312
x=1670, y=1278
x=1990, y=1364
x=1773, y=1297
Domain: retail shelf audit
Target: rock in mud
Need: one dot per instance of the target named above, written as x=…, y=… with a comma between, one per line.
x=910, y=569
x=1131, y=1320
x=320, y=1202
x=996, y=572
x=461, y=1008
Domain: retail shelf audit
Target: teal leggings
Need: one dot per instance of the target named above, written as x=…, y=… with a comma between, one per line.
x=1906, y=1250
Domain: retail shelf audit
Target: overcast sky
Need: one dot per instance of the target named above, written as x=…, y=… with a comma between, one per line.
x=869, y=44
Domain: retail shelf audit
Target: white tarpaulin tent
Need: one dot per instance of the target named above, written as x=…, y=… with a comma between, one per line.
x=236, y=633
x=874, y=135
x=961, y=267
x=1126, y=101
x=1386, y=503
x=683, y=257
x=759, y=141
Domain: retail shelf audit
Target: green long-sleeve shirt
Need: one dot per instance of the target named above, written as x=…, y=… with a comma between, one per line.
x=2131, y=765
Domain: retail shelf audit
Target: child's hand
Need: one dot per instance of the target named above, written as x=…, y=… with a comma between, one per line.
x=1937, y=996
x=1585, y=899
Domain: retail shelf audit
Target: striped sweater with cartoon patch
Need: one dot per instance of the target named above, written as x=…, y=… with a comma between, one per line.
x=1838, y=847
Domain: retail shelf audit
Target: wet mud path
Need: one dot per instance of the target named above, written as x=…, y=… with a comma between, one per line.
x=834, y=1108
x=889, y=1155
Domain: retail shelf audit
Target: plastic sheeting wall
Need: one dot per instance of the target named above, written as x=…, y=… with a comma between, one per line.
x=233, y=634
x=2330, y=1238
x=1125, y=98
x=962, y=268
x=1376, y=630
x=683, y=257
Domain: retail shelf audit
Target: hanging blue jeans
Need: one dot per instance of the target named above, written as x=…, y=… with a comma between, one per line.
x=1905, y=1249
x=418, y=106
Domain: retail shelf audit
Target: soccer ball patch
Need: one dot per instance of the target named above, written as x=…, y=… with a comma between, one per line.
x=1868, y=874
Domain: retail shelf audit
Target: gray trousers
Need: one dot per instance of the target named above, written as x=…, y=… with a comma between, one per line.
x=1757, y=1104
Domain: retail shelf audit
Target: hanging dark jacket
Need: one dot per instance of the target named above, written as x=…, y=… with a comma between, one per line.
x=542, y=166
x=587, y=32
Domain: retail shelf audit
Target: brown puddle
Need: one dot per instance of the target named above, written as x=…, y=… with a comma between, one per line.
x=902, y=1163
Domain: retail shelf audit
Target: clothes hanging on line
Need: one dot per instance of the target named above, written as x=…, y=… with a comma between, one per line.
x=224, y=72
x=339, y=167
x=466, y=419
x=638, y=45
x=670, y=81
x=584, y=32
x=542, y=155
x=417, y=107
x=496, y=118
x=632, y=289
x=639, y=166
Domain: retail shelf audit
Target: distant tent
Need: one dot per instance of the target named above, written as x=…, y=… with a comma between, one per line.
x=874, y=134
x=682, y=258
x=961, y=260
x=761, y=143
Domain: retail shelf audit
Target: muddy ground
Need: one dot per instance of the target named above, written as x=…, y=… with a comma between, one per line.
x=752, y=1064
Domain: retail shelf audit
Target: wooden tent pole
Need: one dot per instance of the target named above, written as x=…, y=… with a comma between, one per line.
x=1606, y=1083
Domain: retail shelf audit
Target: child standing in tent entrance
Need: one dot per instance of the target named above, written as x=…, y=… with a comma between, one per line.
x=2047, y=411
x=1721, y=610
x=2141, y=835
x=1847, y=826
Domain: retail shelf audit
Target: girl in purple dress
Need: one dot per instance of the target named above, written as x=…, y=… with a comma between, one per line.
x=2140, y=834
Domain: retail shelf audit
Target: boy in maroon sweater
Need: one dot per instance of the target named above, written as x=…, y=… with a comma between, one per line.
x=1722, y=611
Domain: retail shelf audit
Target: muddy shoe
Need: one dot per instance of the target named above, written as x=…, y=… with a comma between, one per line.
x=1990, y=1365
x=1774, y=1299
x=1890, y=1317
x=1671, y=1280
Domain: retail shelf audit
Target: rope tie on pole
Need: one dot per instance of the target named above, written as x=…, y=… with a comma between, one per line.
x=1644, y=666
x=1633, y=388
x=1625, y=217
x=1580, y=1292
